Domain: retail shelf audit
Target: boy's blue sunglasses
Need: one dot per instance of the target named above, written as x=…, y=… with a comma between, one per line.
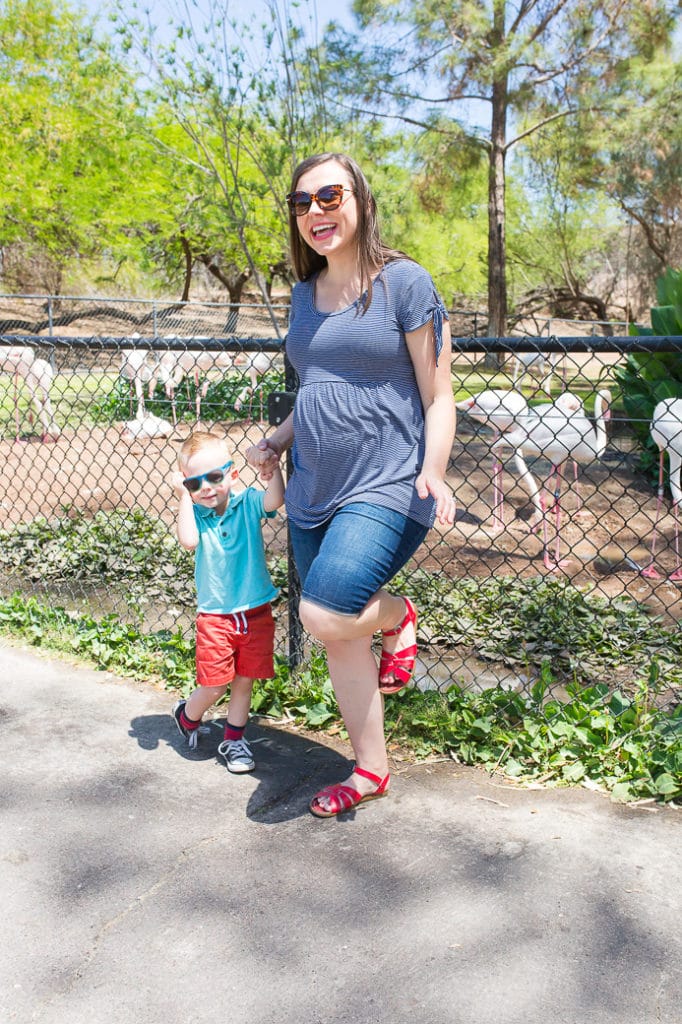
x=214, y=476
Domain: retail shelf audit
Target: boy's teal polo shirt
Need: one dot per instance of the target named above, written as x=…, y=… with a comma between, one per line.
x=230, y=571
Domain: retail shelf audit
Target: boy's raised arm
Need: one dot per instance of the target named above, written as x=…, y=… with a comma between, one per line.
x=186, y=527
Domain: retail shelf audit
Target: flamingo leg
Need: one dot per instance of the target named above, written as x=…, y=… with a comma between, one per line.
x=676, y=576
x=202, y=392
x=650, y=572
x=197, y=396
x=579, y=510
x=558, y=562
x=16, y=408
x=498, y=493
x=498, y=497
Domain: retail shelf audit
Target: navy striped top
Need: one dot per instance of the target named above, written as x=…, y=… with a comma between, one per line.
x=358, y=416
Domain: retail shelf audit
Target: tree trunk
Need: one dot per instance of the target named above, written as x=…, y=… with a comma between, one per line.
x=497, y=251
x=234, y=282
x=189, y=262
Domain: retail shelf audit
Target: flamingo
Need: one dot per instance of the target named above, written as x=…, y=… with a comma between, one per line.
x=666, y=430
x=173, y=367
x=569, y=404
x=501, y=410
x=535, y=364
x=39, y=377
x=560, y=432
x=136, y=370
x=16, y=360
x=257, y=365
x=146, y=425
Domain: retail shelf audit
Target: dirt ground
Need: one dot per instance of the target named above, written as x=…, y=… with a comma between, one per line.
x=606, y=530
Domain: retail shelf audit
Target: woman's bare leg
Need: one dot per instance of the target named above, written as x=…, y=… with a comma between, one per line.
x=354, y=674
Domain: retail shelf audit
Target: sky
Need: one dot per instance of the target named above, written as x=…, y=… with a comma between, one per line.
x=311, y=15
x=320, y=11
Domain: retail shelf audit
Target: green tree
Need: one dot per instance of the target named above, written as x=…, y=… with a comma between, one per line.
x=643, y=162
x=247, y=106
x=621, y=167
x=530, y=62
x=71, y=152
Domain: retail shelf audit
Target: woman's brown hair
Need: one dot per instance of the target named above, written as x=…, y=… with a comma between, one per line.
x=372, y=253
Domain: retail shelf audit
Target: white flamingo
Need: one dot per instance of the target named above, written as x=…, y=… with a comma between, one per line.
x=136, y=369
x=257, y=365
x=500, y=409
x=538, y=365
x=559, y=433
x=16, y=360
x=146, y=425
x=39, y=377
x=666, y=430
x=172, y=367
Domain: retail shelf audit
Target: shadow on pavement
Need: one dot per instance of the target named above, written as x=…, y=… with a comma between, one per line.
x=290, y=768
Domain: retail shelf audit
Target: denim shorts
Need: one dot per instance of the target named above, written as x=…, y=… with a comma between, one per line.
x=346, y=560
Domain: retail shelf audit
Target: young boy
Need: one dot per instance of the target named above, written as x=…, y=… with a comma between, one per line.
x=235, y=628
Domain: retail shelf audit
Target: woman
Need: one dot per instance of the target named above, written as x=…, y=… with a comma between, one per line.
x=372, y=430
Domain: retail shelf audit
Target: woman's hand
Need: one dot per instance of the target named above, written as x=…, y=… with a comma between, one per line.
x=263, y=458
x=446, y=506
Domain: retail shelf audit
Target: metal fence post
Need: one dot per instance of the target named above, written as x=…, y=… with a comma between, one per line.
x=296, y=649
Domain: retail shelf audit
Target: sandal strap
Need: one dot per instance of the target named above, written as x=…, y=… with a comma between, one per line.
x=376, y=779
x=342, y=798
x=410, y=616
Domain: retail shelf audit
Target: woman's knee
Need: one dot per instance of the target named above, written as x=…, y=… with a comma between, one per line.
x=323, y=623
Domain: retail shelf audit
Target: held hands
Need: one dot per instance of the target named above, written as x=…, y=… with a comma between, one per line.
x=263, y=458
x=446, y=506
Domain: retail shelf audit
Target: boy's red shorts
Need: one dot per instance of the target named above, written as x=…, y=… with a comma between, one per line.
x=239, y=644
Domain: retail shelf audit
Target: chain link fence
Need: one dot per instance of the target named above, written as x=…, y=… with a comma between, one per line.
x=563, y=563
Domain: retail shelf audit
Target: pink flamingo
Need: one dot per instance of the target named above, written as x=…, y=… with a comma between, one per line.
x=560, y=433
x=666, y=430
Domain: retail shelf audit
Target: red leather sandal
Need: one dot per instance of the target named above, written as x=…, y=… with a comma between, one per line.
x=395, y=670
x=344, y=798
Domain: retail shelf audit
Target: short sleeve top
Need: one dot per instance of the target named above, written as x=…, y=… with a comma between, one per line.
x=358, y=416
x=230, y=570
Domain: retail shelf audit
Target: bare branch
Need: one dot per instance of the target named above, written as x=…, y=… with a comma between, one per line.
x=540, y=124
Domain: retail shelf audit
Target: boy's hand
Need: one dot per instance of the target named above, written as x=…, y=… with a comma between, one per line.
x=176, y=484
x=263, y=458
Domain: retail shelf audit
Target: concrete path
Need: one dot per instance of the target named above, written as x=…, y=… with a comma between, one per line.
x=142, y=884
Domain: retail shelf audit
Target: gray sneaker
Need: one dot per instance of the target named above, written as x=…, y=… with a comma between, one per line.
x=238, y=756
